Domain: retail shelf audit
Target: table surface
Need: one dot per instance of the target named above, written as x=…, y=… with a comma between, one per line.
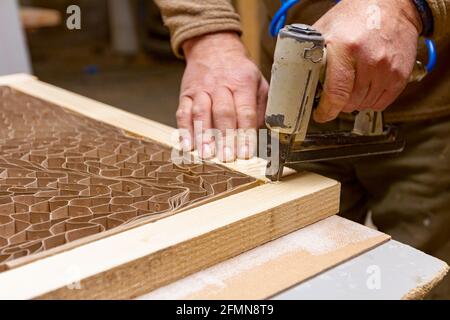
x=390, y=271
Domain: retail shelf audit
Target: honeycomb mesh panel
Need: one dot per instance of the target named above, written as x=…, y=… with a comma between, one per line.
x=64, y=177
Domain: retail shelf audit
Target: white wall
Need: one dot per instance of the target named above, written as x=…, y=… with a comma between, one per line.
x=13, y=48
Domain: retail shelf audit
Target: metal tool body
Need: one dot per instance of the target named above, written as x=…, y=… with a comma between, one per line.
x=298, y=69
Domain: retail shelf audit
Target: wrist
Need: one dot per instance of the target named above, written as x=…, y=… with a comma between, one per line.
x=211, y=43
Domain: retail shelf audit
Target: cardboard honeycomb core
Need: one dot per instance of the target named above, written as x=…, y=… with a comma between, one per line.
x=64, y=177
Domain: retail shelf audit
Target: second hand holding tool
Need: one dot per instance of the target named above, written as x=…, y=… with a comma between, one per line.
x=298, y=73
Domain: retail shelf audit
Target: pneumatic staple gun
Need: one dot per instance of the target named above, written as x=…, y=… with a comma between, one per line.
x=297, y=74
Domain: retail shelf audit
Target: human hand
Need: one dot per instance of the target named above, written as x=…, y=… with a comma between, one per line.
x=368, y=65
x=223, y=89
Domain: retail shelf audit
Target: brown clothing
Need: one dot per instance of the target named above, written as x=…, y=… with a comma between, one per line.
x=427, y=99
x=187, y=19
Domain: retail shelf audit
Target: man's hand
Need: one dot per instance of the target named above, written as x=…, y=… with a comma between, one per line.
x=223, y=89
x=368, y=65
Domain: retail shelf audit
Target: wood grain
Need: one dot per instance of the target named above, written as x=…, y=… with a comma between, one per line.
x=146, y=257
x=65, y=183
x=156, y=254
x=275, y=266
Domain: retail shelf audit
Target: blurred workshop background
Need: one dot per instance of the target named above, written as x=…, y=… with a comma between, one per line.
x=120, y=56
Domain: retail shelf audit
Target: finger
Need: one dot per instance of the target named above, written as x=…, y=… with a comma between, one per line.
x=202, y=121
x=246, y=101
x=377, y=87
x=224, y=113
x=361, y=88
x=387, y=93
x=247, y=138
x=246, y=143
x=386, y=99
x=227, y=146
x=224, y=119
x=261, y=105
x=184, y=122
x=338, y=87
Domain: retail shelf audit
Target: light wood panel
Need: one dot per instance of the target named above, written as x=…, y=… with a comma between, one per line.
x=275, y=266
x=148, y=256
x=137, y=261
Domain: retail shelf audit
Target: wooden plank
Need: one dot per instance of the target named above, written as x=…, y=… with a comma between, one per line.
x=159, y=253
x=255, y=167
x=68, y=246
x=285, y=262
x=17, y=77
x=28, y=110
x=155, y=254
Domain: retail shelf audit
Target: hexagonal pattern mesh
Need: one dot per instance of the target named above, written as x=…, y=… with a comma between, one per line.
x=64, y=176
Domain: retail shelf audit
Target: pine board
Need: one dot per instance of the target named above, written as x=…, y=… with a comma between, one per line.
x=155, y=254
x=273, y=267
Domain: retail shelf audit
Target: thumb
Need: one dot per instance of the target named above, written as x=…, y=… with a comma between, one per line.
x=338, y=86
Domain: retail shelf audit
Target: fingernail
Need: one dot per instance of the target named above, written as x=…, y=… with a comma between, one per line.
x=186, y=144
x=206, y=151
x=244, y=152
x=228, y=155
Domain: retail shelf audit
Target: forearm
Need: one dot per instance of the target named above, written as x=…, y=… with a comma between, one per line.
x=188, y=19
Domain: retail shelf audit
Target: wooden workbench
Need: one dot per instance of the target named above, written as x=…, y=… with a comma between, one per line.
x=142, y=257
x=390, y=271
